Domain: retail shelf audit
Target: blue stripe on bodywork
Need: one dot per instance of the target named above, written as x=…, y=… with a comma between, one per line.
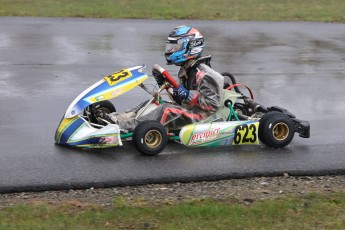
x=70, y=130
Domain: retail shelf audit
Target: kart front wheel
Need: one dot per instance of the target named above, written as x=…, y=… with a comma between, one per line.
x=150, y=137
x=99, y=110
x=276, y=130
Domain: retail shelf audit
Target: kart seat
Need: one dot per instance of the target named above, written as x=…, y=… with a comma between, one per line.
x=223, y=113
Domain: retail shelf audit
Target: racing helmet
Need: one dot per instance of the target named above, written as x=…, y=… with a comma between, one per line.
x=184, y=42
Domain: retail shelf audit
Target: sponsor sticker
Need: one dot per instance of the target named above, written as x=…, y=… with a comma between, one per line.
x=108, y=140
x=204, y=136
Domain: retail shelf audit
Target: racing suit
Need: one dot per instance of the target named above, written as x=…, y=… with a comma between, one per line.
x=205, y=87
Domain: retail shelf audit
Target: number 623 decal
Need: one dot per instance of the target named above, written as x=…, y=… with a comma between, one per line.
x=118, y=76
x=246, y=134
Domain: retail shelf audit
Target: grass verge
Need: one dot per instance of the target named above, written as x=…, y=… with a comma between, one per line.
x=267, y=10
x=313, y=211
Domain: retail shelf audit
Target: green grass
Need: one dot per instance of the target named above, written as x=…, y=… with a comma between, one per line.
x=313, y=211
x=268, y=10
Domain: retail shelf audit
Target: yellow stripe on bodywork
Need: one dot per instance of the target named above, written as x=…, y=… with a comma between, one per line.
x=118, y=90
x=97, y=146
x=64, y=124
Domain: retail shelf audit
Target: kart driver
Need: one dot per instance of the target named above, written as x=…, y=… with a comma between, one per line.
x=199, y=94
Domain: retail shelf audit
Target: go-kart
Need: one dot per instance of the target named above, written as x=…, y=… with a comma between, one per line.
x=240, y=121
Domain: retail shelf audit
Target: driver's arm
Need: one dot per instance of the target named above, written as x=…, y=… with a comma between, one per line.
x=208, y=93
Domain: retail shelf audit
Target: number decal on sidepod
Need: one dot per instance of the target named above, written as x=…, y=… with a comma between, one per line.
x=118, y=76
x=246, y=134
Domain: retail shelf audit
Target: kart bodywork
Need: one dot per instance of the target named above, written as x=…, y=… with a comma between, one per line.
x=240, y=121
x=75, y=129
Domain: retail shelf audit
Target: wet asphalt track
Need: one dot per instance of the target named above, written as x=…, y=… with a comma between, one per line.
x=46, y=62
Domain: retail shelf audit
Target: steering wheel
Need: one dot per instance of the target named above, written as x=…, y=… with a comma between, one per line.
x=167, y=76
x=169, y=79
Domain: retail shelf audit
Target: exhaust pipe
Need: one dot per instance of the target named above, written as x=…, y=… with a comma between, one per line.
x=256, y=107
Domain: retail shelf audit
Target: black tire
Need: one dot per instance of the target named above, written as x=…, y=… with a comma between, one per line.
x=262, y=121
x=99, y=109
x=276, y=129
x=150, y=137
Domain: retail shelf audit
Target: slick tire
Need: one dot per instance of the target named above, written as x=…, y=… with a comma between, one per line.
x=99, y=109
x=263, y=121
x=150, y=137
x=276, y=130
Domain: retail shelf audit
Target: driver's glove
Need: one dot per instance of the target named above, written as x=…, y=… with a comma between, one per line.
x=156, y=73
x=181, y=92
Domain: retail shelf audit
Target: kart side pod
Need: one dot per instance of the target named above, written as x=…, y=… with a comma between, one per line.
x=220, y=133
x=274, y=129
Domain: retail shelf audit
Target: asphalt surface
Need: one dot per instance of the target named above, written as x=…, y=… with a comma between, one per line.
x=46, y=62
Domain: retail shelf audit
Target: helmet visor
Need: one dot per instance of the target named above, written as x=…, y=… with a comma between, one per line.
x=173, y=46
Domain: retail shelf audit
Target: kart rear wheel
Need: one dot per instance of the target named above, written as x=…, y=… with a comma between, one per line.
x=150, y=137
x=276, y=130
x=99, y=110
x=262, y=121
